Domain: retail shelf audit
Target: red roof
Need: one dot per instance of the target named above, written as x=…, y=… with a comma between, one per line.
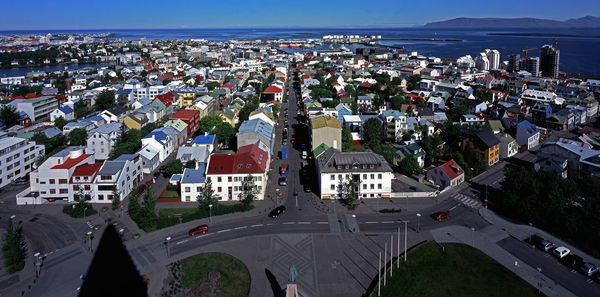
x=30, y=95
x=87, y=170
x=451, y=169
x=248, y=159
x=365, y=85
x=227, y=86
x=273, y=89
x=185, y=114
x=166, y=98
x=70, y=162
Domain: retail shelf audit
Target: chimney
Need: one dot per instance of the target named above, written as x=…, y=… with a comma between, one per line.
x=205, y=133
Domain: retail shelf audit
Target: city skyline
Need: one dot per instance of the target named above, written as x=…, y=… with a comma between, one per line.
x=68, y=15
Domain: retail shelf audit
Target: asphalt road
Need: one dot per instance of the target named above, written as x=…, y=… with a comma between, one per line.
x=552, y=270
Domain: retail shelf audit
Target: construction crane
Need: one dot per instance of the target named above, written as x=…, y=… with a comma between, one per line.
x=555, y=43
x=525, y=50
x=501, y=49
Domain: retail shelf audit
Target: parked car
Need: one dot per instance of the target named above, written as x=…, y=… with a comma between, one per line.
x=161, y=169
x=306, y=188
x=156, y=175
x=571, y=261
x=295, y=192
x=588, y=269
x=545, y=245
x=561, y=252
x=198, y=230
x=283, y=181
x=440, y=215
x=277, y=211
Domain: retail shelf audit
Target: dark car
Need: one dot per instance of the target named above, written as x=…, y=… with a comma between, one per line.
x=306, y=188
x=162, y=169
x=277, y=211
x=571, y=261
x=304, y=172
x=440, y=215
x=156, y=175
x=295, y=192
x=198, y=230
x=283, y=181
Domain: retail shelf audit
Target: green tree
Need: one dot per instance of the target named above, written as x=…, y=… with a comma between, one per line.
x=349, y=193
x=456, y=111
x=173, y=167
x=354, y=107
x=14, y=249
x=397, y=102
x=207, y=196
x=60, y=122
x=116, y=198
x=105, y=100
x=123, y=99
x=250, y=190
x=78, y=136
x=410, y=166
x=373, y=130
x=276, y=109
x=209, y=122
x=81, y=109
x=9, y=115
x=211, y=85
x=225, y=133
x=346, y=138
x=190, y=164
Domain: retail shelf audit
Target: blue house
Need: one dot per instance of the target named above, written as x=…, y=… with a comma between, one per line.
x=342, y=110
x=208, y=140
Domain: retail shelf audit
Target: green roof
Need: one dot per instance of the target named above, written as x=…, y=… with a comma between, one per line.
x=320, y=149
x=496, y=125
x=177, y=124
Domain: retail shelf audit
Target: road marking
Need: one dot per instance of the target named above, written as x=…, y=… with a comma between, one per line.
x=322, y=223
x=372, y=222
x=304, y=223
x=224, y=230
x=289, y=223
x=180, y=242
x=269, y=224
x=238, y=228
x=257, y=225
x=453, y=207
x=387, y=222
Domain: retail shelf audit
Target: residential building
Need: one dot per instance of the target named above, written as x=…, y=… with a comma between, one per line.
x=527, y=134
x=150, y=158
x=65, y=112
x=446, y=174
x=326, y=129
x=181, y=128
x=17, y=158
x=114, y=113
x=253, y=130
x=163, y=140
x=395, y=124
x=508, y=145
x=483, y=142
x=192, y=153
x=370, y=173
x=102, y=139
x=192, y=183
x=207, y=140
x=38, y=108
x=272, y=93
x=549, y=61
x=582, y=159
x=124, y=173
x=229, y=173
x=189, y=116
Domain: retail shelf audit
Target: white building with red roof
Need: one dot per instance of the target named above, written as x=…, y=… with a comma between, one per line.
x=447, y=174
x=229, y=173
x=82, y=181
x=275, y=91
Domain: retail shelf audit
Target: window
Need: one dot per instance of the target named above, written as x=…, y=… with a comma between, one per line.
x=100, y=197
x=219, y=189
x=379, y=176
x=198, y=189
x=372, y=176
x=364, y=176
x=229, y=179
x=187, y=189
x=51, y=181
x=52, y=191
x=105, y=187
x=219, y=180
x=379, y=186
x=259, y=188
x=105, y=177
x=86, y=187
x=364, y=186
x=63, y=191
x=42, y=182
x=333, y=177
x=339, y=177
x=372, y=186
x=332, y=187
x=62, y=181
x=187, y=198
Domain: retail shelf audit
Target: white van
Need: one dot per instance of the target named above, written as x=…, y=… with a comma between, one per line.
x=561, y=251
x=304, y=154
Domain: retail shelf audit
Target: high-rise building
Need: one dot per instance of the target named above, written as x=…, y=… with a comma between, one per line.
x=531, y=65
x=482, y=62
x=513, y=63
x=549, y=60
x=494, y=57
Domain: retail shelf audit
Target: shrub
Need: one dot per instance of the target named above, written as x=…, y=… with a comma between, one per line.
x=77, y=210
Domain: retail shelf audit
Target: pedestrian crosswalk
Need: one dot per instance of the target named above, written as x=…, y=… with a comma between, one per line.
x=468, y=201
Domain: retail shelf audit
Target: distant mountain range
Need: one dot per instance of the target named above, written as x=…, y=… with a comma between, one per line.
x=587, y=22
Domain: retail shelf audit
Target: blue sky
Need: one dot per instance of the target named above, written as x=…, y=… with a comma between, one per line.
x=124, y=14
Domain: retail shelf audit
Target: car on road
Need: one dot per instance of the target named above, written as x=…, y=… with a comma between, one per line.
x=156, y=175
x=161, y=169
x=306, y=188
x=283, y=181
x=561, y=252
x=304, y=154
x=440, y=215
x=571, y=261
x=293, y=139
x=284, y=141
x=545, y=245
x=304, y=172
x=277, y=211
x=588, y=269
x=295, y=192
x=198, y=230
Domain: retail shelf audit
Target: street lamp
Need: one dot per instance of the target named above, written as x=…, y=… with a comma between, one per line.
x=530, y=232
x=473, y=236
x=166, y=243
x=418, y=222
x=83, y=211
x=210, y=213
x=539, y=269
x=405, y=238
x=90, y=237
x=37, y=264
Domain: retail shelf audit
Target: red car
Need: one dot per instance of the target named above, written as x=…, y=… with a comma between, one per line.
x=440, y=215
x=293, y=139
x=198, y=230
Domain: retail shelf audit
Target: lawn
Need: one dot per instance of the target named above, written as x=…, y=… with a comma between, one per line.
x=170, y=194
x=167, y=212
x=235, y=278
x=460, y=271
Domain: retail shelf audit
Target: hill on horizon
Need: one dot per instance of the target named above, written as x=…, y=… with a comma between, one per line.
x=587, y=22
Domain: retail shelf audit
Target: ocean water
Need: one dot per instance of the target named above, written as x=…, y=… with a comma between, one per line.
x=578, y=54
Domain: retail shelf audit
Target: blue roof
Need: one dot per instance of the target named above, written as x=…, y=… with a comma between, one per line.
x=204, y=139
x=124, y=91
x=66, y=109
x=365, y=98
x=527, y=127
x=307, y=100
x=194, y=175
x=160, y=136
x=51, y=132
x=126, y=157
x=93, y=118
x=108, y=128
x=258, y=126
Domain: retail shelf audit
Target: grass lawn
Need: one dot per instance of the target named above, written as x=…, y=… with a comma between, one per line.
x=235, y=278
x=170, y=194
x=166, y=212
x=460, y=271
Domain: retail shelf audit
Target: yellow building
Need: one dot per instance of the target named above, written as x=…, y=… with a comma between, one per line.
x=483, y=142
x=326, y=129
x=135, y=121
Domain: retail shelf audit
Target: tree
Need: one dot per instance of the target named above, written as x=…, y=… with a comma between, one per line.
x=60, y=122
x=78, y=136
x=225, y=133
x=9, y=115
x=116, y=198
x=173, y=167
x=81, y=109
x=111, y=253
x=123, y=99
x=456, y=111
x=190, y=164
x=209, y=122
x=211, y=85
x=349, y=194
x=397, y=102
x=373, y=130
x=207, y=197
x=410, y=166
x=275, y=109
x=105, y=100
x=354, y=107
x=250, y=190
x=14, y=249
x=346, y=138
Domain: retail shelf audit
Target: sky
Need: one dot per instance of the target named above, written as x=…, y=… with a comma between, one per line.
x=132, y=14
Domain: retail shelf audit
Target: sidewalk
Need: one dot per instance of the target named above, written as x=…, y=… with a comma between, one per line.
x=523, y=232
x=481, y=241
